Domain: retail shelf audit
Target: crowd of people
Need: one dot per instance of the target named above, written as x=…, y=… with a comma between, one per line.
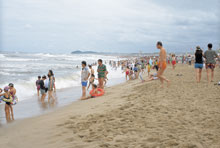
x=133, y=67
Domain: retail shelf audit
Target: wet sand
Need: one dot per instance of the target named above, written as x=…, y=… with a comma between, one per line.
x=132, y=114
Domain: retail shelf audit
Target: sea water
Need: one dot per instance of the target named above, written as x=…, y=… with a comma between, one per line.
x=22, y=69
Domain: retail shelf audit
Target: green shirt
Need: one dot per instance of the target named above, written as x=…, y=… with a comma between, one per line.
x=101, y=71
x=210, y=56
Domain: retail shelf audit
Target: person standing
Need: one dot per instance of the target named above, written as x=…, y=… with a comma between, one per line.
x=84, y=79
x=51, y=85
x=162, y=63
x=102, y=70
x=210, y=62
x=92, y=76
x=198, y=63
x=38, y=85
x=42, y=88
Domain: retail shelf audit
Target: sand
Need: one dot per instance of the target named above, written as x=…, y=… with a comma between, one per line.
x=130, y=115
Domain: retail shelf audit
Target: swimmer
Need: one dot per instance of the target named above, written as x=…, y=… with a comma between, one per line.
x=38, y=85
x=92, y=77
x=162, y=64
x=6, y=95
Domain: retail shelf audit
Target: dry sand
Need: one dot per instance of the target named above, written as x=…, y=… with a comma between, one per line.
x=130, y=115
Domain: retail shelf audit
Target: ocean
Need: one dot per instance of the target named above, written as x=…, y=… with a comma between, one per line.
x=22, y=69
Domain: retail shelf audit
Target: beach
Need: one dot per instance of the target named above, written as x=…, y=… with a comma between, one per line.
x=131, y=114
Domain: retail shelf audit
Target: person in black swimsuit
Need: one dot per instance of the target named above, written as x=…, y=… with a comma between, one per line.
x=8, y=101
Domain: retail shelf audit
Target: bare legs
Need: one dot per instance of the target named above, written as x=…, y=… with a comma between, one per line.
x=7, y=113
x=212, y=74
x=101, y=83
x=83, y=93
x=198, y=74
x=161, y=77
x=50, y=95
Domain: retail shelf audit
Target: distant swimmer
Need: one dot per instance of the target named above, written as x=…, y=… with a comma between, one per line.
x=162, y=64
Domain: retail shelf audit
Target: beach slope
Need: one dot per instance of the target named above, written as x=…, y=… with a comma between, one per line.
x=132, y=114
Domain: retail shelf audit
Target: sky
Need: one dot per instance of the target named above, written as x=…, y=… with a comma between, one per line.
x=62, y=26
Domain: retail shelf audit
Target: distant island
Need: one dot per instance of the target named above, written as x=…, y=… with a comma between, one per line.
x=83, y=52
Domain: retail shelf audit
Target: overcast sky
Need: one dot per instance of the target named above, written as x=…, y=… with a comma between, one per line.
x=61, y=26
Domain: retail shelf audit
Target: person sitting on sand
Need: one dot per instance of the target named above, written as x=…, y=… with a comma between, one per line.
x=94, y=92
x=84, y=78
x=152, y=77
x=102, y=70
x=6, y=95
x=162, y=63
x=92, y=76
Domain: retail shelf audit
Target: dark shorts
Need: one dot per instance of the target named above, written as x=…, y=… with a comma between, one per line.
x=210, y=66
x=198, y=65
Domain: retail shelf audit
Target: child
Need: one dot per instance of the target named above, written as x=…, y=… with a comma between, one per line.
x=38, y=85
x=92, y=92
x=127, y=71
x=7, y=98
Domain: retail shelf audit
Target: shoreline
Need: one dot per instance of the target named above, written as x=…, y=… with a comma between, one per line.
x=131, y=114
x=34, y=107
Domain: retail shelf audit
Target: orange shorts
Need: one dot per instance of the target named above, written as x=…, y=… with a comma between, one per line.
x=164, y=65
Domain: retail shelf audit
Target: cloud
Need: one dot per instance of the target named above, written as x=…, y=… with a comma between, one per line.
x=111, y=25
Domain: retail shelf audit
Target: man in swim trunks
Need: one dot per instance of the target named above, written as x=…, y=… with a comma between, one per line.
x=210, y=62
x=162, y=63
x=84, y=78
x=102, y=71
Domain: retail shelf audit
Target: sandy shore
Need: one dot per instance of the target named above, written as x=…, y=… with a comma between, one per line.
x=133, y=114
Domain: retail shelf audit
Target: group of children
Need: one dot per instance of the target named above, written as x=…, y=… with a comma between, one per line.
x=8, y=95
x=46, y=84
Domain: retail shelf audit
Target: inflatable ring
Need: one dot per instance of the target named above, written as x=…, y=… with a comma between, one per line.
x=101, y=92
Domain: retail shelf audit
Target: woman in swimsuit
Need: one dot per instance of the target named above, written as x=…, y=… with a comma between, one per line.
x=6, y=95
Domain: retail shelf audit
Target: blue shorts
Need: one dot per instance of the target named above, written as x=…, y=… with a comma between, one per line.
x=84, y=83
x=198, y=65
